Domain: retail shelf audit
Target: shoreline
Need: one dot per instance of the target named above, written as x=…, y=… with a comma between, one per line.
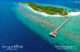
x=48, y=15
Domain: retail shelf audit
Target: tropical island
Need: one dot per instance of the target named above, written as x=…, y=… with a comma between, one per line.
x=48, y=9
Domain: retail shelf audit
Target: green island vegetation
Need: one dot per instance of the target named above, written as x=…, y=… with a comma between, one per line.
x=48, y=9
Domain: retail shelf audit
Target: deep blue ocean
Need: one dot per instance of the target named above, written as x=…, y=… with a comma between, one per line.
x=13, y=31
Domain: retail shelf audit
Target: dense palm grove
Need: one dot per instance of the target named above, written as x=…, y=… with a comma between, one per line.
x=48, y=9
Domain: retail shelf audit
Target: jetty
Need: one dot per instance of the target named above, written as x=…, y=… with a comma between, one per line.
x=54, y=33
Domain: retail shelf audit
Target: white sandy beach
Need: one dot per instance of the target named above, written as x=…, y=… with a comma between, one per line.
x=44, y=14
x=74, y=13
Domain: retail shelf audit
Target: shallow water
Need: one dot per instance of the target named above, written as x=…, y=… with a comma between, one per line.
x=68, y=35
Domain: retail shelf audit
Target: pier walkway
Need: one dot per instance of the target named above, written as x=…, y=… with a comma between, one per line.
x=54, y=33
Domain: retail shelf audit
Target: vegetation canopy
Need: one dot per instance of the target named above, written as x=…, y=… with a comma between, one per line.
x=48, y=9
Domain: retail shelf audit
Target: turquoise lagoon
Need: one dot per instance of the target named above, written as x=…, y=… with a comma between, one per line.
x=68, y=37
